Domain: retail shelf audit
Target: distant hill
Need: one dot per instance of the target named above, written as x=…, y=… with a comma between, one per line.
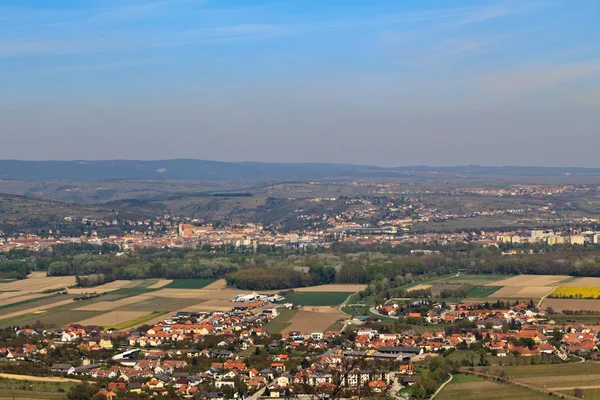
x=187, y=169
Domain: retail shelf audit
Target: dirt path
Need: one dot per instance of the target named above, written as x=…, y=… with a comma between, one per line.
x=558, y=389
x=539, y=304
x=443, y=385
x=32, y=378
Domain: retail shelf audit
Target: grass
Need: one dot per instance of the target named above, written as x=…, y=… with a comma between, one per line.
x=337, y=326
x=473, y=388
x=33, y=389
x=482, y=291
x=281, y=322
x=136, y=321
x=318, y=298
x=588, y=319
x=553, y=376
x=24, y=302
x=189, y=283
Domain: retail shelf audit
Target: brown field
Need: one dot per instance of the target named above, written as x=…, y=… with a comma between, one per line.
x=111, y=305
x=419, y=287
x=332, y=288
x=310, y=321
x=521, y=292
x=530, y=280
x=151, y=304
x=16, y=297
x=107, y=287
x=160, y=283
x=37, y=309
x=591, y=282
x=572, y=304
x=38, y=282
x=113, y=318
x=32, y=378
x=217, y=285
x=437, y=288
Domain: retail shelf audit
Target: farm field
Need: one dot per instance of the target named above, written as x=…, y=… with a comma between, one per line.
x=472, y=388
x=593, y=282
x=38, y=282
x=137, y=321
x=16, y=297
x=318, y=298
x=554, y=376
x=161, y=283
x=560, y=305
x=282, y=321
x=315, y=321
x=468, y=279
x=107, y=287
x=150, y=304
x=420, y=287
x=344, y=288
x=520, y=292
x=531, y=280
x=52, y=318
x=480, y=291
x=113, y=318
x=40, y=303
x=189, y=283
x=111, y=305
x=577, y=292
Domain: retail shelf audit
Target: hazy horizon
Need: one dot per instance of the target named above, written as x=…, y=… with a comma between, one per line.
x=494, y=83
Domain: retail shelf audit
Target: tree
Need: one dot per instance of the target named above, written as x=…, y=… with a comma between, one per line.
x=83, y=391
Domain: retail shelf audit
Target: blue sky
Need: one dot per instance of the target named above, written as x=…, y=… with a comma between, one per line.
x=374, y=82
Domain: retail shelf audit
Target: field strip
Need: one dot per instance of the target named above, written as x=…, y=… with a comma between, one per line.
x=111, y=305
x=531, y=280
x=113, y=318
x=36, y=309
x=37, y=378
x=346, y=288
x=575, y=387
x=160, y=283
x=18, y=298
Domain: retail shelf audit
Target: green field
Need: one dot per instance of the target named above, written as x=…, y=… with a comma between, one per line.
x=317, y=298
x=281, y=322
x=14, y=389
x=569, y=375
x=189, y=283
x=482, y=291
x=472, y=388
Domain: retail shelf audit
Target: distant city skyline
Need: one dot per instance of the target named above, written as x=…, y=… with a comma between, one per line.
x=386, y=83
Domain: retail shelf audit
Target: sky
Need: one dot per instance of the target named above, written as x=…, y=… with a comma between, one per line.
x=376, y=82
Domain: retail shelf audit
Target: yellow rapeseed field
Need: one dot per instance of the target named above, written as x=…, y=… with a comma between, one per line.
x=575, y=292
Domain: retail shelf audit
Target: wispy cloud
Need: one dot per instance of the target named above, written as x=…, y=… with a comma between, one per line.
x=134, y=38
x=535, y=77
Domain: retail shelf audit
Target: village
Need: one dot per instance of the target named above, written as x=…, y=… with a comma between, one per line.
x=232, y=355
